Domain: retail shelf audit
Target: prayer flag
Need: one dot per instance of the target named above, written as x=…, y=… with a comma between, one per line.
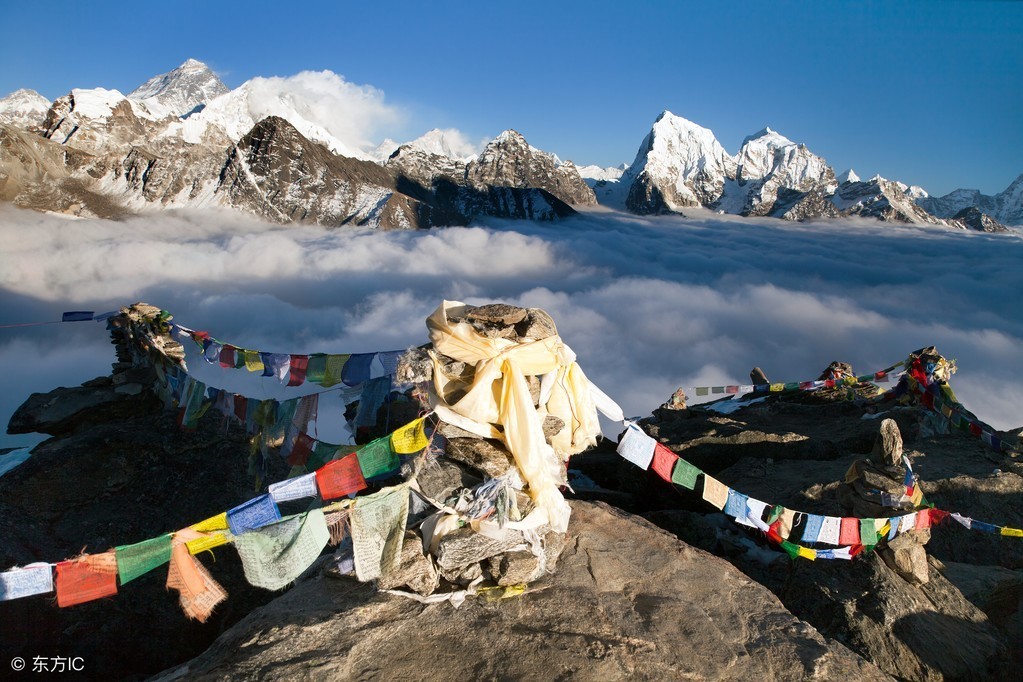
x=356, y=370
x=316, y=369
x=340, y=478
x=807, y=553
x=714, y=491
x=664, y=461
x=787, y=519
x=831, y=530
x=702, y=390
x=637, y=447
x=215, y=528
x=812, y=530
x=791, y=549
x=294, y=488
x=735, y=505
x=26, y=581
x=301, y=450
x=227, y=358
x=278, y=553
x=963, y=520
x=684, y=474
x=253, y=361
x=389, y=361
x=77, y=316
x=984, y=527
x=322, y=453
x=923, y=519
x=754, y=514
x=410, y=438
x=850, y=531
x=199, y=592
x=717, y=389
x=142, y=557
x=1012, y=532
x=868, y=533
x=78, y=583
x=731, y=389
x=378, y=531
x=377, y=458
x=777, y=388
x=297, y=370
x=255, y=513
x=333, y=369
x=907, y=522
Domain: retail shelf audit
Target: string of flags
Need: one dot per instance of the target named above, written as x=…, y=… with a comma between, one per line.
x=837, y=381
x=69, y=316
x=274, y=549
x=790, y=529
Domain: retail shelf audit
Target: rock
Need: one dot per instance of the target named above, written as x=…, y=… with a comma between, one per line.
x=552, y=426
x=758, y=377
x=463, y=547
x=514, y=568
x=440, y=477
x=628, y=601
x=63, y=411
x=497, y=314
x=888, y=446
x=906, y=556
x=677, y=401
x=538, y=325
x=415, y=570
x=487, y=456
x=836, y=371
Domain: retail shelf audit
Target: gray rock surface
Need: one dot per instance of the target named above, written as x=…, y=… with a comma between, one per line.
x=628, y=601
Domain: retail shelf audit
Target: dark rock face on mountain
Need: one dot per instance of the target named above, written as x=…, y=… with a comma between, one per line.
x=509, y=161
x=795, y=451
x=628, y=600
x=972, y=219
x=881, y=199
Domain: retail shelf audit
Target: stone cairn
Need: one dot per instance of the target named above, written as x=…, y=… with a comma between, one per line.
x=461, y=470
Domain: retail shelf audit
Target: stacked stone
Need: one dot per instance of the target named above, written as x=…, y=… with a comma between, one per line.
x=451, y=471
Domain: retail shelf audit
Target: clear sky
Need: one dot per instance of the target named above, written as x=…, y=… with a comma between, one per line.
x=929, y=92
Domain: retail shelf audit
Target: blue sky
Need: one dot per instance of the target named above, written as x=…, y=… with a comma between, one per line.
x=930, y=92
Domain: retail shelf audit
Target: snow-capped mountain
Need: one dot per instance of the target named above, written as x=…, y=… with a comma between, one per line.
x=181, y=92
x=1005, y=207
x=23, y=108
x=600, y=176
x=678, y=164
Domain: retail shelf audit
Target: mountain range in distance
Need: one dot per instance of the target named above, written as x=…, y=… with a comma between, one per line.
x=184, y=139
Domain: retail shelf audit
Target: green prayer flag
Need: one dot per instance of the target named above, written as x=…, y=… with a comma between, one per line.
x=142, y=557
x=377, y=458
x=791, y=549
x=332, y=370
x=275, y=555
x=702, y=390
x=684, y=474
x=321, y=454
x=792, y=386
x=317, y=368
x=868, y=533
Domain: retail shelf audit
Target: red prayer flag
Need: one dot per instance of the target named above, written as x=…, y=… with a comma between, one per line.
x=77, y=583
x=855, y=549
x=975, y=429
x=240, y=404
x=340, y=477
x=299, y=365
x=227, y=358
x=923, y=519
x=664, y=461
x=301, y=450
x=849, y=532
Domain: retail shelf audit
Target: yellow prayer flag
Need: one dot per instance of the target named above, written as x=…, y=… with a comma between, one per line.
x=218, y=522
x=1014, y=532
x=808, y=553
x=410, y=438
x=215, y=539
x=253, y=362
x=917, y=497
x=776, y=388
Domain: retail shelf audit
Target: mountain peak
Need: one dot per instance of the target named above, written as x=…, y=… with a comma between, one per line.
x=180, y=92
x=848, y=176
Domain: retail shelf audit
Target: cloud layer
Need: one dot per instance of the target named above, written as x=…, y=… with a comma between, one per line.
x=648, y=304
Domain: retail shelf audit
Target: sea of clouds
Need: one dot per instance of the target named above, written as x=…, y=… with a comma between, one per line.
x=648, y=303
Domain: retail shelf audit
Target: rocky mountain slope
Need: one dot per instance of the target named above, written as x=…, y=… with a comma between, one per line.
x=1005, y=207
x=182, y=140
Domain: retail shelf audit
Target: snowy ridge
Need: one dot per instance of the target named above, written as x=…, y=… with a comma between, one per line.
x=23, y=108
x=183, y=91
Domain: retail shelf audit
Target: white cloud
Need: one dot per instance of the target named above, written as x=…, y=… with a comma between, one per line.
x=648, y=304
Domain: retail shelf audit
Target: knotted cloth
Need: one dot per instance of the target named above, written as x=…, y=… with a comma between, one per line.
x=495, y=403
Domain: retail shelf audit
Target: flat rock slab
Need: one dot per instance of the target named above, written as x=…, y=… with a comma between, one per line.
x=628, y=600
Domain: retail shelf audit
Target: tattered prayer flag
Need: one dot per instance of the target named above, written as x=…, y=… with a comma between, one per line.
x=1012, y=532
x=812, y=529
x=637, y=447
x=868, y=533
x=850, y=531
x=277, y=554
x=26, y=581
x=831, y=530
x=684, y=474
x=255, y=513
x=340, y=478
x=410, y=438
x=378, y=531
x=664, y=461
x=211, y=351
x=227, y=358
x=142, y=557
x=78, y=583
x=294, y=488
x=322, y=453
x=714, y=491
x=735, y=506
x=356, y=370
x=301, y=450
x=923, y=519
x=307, y=411
x=278, y=364
x=77, y=316
x=388, y=360
x=199, y=592
x=241, y=404
x=297, y=370
x=253, y=361
x=377, y=458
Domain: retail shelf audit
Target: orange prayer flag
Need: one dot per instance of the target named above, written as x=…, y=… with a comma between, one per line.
x=78, y=583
